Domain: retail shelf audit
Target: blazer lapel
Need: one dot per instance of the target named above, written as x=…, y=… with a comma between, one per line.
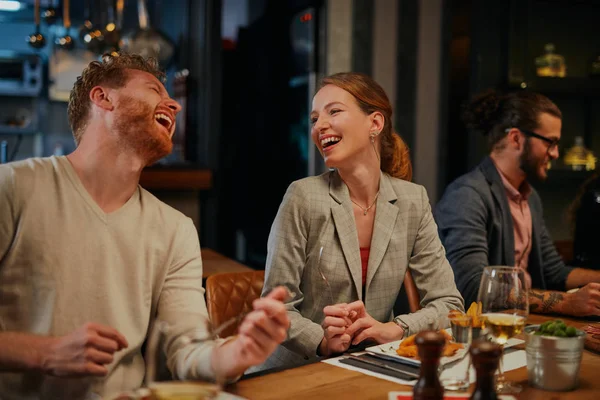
x=508, y=241
x=343, y=219
x=386, y=214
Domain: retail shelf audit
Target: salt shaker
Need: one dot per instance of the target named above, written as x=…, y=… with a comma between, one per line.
x=485, y=357
x=430, y=345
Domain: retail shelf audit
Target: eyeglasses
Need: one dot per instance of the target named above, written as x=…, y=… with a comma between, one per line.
x=552, y=143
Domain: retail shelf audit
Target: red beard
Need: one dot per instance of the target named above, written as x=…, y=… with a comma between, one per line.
x=139, y=131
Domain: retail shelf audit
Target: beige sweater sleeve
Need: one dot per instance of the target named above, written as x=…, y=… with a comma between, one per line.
x=182, y=306
x=8, y=212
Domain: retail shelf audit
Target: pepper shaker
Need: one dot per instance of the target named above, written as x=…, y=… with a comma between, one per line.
x=485, y=357
x=430, y=345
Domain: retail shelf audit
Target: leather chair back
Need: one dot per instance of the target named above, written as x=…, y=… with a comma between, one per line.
x=230, y=294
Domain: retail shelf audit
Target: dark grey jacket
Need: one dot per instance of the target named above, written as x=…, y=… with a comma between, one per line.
x=476, y=228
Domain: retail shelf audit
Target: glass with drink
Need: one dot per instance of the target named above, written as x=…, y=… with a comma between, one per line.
x=461, y=325
x=159, y=383
x=505, y=307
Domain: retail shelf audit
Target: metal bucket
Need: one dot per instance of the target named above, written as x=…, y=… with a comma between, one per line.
x=553, y=362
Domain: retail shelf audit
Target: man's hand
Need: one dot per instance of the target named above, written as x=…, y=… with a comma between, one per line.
x=336, y=339
x=84, y=352
x=259, y=334
x=584, y=302
x=367, y=327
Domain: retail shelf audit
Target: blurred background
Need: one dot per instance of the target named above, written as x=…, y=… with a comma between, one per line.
x=245, y=72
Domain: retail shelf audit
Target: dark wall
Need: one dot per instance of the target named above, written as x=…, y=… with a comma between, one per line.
x=493, y=44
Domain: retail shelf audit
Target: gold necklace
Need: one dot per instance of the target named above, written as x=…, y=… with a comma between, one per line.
x=366, y=210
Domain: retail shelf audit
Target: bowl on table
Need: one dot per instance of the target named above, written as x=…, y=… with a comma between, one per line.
x=553, y=362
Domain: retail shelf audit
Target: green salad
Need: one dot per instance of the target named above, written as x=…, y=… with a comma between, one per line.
x=556, y=328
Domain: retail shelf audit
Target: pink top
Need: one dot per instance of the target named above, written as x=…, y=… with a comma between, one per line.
x=521, y=215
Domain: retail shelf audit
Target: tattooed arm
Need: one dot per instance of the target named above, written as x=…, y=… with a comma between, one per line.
x=546, y=301
x=584, y=302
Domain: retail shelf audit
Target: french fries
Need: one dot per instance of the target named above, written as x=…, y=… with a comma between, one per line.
x=474, y=312
x=408, y=348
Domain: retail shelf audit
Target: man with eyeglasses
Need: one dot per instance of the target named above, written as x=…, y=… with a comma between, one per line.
x=492, y=216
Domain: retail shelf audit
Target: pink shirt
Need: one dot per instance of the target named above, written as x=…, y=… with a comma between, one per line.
x=521, y=215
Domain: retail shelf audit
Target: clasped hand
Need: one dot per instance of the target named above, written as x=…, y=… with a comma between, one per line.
x=347, y=324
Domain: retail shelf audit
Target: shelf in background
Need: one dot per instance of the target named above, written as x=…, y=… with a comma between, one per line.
x=176, y=178
x=575, y=86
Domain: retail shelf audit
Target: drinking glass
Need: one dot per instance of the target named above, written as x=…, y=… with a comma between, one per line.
x=157, y=380
x=461, y=326
x=505, y=307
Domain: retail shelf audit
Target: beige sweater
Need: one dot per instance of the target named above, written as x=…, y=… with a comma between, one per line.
x=64, y=262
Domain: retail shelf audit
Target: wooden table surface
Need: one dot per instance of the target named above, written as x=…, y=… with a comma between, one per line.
x=216, y=263
x=324, y=381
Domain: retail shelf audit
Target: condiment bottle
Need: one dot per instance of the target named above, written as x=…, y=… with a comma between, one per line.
x=430, y=345
x=485, y=357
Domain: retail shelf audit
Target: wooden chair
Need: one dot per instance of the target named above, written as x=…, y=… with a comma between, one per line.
x=408, y=300
x=230, y=294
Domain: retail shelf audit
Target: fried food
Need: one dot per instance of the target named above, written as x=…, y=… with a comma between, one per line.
x=447, y=336
x=408, y=348
x=451, y=348
x=407, y=351
x=408, y=342
x=474, y=312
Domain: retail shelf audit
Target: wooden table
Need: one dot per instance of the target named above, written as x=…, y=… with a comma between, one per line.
x=324, y=381
x=216, y=263
x=173, y=178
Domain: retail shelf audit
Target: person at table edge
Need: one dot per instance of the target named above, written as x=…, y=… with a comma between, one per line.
x=493, y=216
x=344, y=240
x=89, y=260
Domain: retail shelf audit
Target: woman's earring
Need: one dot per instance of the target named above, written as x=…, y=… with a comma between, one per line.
x=373, y=134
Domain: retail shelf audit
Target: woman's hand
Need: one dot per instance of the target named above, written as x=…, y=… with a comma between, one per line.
x=336, y=339
x=367, y=327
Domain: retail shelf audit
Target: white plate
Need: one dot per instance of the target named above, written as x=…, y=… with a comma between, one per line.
x=389, y=349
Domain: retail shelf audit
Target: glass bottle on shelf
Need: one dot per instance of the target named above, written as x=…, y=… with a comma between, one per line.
x=550, y=64
x=579, y=158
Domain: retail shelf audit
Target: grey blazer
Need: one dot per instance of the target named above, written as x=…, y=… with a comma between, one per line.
x=476, y=227
x=317, y=212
